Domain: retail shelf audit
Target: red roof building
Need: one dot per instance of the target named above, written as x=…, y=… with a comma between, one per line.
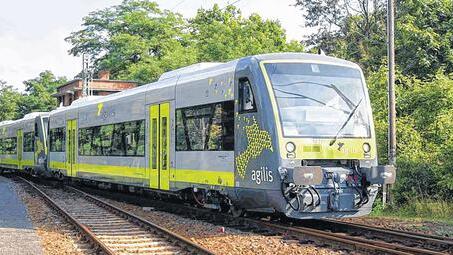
x=102, y=86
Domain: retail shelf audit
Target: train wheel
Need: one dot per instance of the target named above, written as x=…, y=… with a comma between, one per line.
x=237, y=212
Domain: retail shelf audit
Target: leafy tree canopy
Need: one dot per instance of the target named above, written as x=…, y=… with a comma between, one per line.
x=38, y=93
x=9, y=102
x=224, y=34
x=165, y=40
x=356, y=30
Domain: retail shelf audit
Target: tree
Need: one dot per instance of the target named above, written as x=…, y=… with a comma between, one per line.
x=424, y=133
x=113, y=36
x=356, y=30
x=38, y=93
x=224, y=34
x=164, y=40
x=424, y=37
x=9, y=100
x=353, y=30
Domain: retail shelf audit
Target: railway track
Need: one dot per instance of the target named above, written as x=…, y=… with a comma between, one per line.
x=429, y=242
x=112, y=230
x=337, y=234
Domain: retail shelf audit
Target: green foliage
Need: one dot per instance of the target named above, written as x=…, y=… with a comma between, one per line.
x=356, y=30
x=36, y=98
x=165, y=41
x=9, y=102
x=38, y=93
x=419, y=209
x=112, y=36
x=424, y=134
x=423, y=36
x=221, y=35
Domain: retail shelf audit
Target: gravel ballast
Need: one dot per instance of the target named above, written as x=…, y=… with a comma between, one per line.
x=57, y=236
x=223, y=240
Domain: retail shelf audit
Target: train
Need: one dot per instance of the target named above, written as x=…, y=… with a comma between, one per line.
x=284, y=133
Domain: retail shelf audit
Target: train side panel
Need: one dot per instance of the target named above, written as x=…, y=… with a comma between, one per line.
x=204, y=130
x=100, y=154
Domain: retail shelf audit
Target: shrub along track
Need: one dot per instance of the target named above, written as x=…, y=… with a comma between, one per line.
x=340, y=235
x=111, y=229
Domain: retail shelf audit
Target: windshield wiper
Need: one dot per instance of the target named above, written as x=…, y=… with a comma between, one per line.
x=331, y=86
x=310, y=98
x=345, y=123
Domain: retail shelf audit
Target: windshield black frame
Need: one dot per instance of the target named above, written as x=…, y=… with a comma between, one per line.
x=328, y=71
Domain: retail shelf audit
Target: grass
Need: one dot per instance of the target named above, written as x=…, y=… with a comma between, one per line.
x=431, y=210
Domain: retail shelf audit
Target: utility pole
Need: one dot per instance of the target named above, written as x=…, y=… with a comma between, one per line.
x=391, y=92
x=85, y=76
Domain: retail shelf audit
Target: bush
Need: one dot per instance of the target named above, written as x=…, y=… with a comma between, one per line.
x=424, y=135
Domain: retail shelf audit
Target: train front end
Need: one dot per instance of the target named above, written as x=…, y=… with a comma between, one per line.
x=325, y=162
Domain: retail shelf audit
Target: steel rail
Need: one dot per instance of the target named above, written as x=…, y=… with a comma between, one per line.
x=174, y=238
x=356, y=243
x=425, y=239
x=82, y=228
x=142, y=222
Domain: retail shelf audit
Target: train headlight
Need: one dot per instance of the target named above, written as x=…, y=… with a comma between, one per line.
x=366, y=147
x=290, y=147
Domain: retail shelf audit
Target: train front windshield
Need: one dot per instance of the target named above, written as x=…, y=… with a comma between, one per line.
x=319, y=100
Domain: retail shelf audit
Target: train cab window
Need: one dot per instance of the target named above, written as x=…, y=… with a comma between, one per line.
x=246, y=97
x=29, y=140
x=206, y=127
x=57, y=139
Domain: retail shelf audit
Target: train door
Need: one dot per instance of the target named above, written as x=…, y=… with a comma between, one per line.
x=20, y=147
x=159, y=144
x=71, y=147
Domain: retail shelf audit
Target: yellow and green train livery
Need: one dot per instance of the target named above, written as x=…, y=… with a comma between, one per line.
x=281, y=133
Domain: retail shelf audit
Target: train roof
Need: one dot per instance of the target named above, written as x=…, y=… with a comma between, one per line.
x=304, y=56
x=199, y=71
x=29, y=116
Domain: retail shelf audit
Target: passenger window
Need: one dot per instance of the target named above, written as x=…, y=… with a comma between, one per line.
x=121, y=139
x=246, y=98
x=8, y=145
x=29, y=139
x=57, y=140
x=206, y=127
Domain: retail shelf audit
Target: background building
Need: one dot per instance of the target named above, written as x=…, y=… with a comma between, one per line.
x=102, y=86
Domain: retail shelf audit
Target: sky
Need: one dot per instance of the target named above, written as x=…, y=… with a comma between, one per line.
x=32, y=32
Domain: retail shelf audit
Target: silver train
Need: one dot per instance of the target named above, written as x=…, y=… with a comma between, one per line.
x=280, y=133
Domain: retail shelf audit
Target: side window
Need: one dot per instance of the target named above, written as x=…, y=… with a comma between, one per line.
x=205, y=128
x=29, y=140
x=182, y=138
x=246, y=97
x=221, y=132
x=12, y=148
x=9, y=145
x=121, y=139
x=57, y=140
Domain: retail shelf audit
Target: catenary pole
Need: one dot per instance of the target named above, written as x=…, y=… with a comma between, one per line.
x=391, y=90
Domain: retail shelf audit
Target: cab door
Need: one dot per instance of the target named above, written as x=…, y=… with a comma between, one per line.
x=159, y=144
x=71, y=147
x=20, y=147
